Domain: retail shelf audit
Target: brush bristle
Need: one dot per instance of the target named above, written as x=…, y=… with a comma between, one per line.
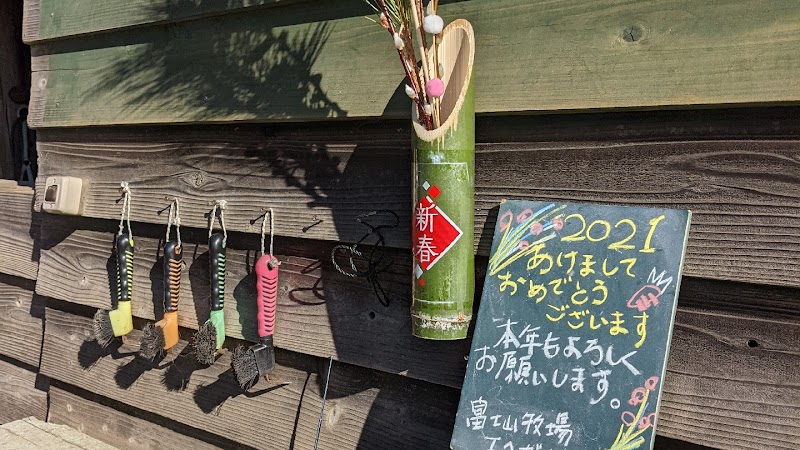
x=244, y=366
x=103, y=332
x=204, y=343
x=152, y=343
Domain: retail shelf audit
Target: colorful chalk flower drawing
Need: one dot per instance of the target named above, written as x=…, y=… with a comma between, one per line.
x=523, y=232
x=634, y=425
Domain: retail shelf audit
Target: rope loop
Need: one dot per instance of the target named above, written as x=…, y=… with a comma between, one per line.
x=125, y=214
x=174, y=218
x=218, y=205
x=273, y=261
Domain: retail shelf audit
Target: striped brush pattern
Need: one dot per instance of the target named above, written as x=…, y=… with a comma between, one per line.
x=129, y=276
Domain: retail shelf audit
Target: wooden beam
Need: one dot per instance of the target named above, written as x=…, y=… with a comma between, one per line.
x=21, y=326
x=363, y=409
x=20, y=396
x=45, y=20
x=19, y=228
x=123, y=431
x=320, y=311
x=744, y=195
x=299, y=63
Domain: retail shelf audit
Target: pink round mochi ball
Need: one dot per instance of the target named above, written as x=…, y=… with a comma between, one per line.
x=435, y=87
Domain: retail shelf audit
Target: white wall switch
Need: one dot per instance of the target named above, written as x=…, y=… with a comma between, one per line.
x=62, y=195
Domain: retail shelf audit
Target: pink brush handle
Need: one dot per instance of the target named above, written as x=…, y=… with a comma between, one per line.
x=266, y=295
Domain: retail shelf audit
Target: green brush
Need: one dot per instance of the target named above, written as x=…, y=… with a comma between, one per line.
x=209, y=338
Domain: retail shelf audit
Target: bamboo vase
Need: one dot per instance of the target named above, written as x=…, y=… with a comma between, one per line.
x=444, y=186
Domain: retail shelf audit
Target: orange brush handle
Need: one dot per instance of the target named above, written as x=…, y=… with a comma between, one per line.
x=173, y=267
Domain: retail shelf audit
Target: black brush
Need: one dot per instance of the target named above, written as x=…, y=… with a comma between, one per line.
x=208, y=340
x=258, y=360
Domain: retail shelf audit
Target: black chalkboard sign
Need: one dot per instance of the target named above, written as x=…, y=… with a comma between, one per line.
x=574, y=327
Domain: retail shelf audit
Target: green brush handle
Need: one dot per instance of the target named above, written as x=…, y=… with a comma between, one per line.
x=216, y=276
x=124, y=268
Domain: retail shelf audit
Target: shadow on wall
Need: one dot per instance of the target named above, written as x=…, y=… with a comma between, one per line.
x=243, y=65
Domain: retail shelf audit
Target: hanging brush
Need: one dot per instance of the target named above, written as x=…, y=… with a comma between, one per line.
x=119, y=322
x=164, y=334
x=259, y=360
x=209, y=338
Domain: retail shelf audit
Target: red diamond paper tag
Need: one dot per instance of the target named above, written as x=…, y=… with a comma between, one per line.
x=434, y=233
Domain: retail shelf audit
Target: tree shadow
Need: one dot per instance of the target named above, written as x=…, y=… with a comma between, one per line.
x=259, y=69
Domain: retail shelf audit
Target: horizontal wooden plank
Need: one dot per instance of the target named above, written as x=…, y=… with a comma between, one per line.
x=123, y=431
x=19, y=395
x=23, y=316
x=733, y=381
x=362, y=411
x=718, y=381
x=45, y=19
x=744, y=195
x=320, y=311
x=19, y=228
x=301, y=63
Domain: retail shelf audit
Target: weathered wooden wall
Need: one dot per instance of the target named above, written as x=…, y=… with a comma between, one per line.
x=170, y=61
x=23, y=390
x=119, y=88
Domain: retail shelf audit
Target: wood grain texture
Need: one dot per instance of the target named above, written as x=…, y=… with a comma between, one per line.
x=363, y=409
x=19, y=395
x=33, y=434
x=46, y=20
x=717, y=385
x=21, y=326
x=123, y=431
x=19, y=228
x=320, y=311
x=744, y=194
x=301, y=63
x=733, y=381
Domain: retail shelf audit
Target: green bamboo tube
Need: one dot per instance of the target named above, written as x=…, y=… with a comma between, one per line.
x=444, y=187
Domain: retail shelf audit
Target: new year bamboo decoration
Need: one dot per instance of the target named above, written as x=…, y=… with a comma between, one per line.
x=444, y=185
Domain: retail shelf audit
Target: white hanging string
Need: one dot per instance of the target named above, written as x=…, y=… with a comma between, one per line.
x=273, y=262
x=125, y=215
x=221, y=204
x=174, y=217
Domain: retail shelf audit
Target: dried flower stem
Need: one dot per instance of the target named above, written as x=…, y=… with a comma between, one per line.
x=420, y=90
x=421, y=40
